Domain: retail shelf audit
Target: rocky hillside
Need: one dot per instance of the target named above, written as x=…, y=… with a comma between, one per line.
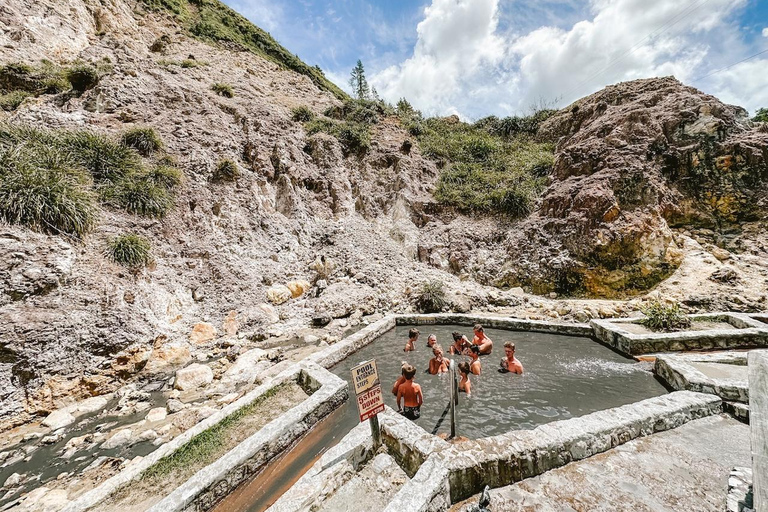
x=261, y=231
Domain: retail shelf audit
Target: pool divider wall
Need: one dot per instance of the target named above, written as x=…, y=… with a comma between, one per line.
x=758, y=416
x=678, y=372
x=407, y=442
x=351, y=344
x=463, y=469
x=747, y=332
x=497, y=322
x=214, y=481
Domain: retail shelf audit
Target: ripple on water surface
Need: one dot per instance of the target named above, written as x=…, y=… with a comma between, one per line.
x=565, y=376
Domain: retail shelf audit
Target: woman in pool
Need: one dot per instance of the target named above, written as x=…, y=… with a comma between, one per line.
x=431, y=341
x=474, y=365
x=464, y=384
x=437, y=364
x=482, y=341
x=460, y=344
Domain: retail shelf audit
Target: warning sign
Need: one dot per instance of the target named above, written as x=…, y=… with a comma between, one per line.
x=370, y=401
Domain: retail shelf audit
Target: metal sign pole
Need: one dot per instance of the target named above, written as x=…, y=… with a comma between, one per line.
x=454, y=398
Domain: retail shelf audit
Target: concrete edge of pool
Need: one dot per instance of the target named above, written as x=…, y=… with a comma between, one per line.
x=213, y=482
x=412, y=449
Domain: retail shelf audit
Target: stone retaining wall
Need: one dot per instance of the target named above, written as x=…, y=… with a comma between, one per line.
x=678, y=373
x=407, y=442
x=463, y=469
x=758, y=418
x=746, y=333
x=496, y=322
x=351, y=344
x=213, y=482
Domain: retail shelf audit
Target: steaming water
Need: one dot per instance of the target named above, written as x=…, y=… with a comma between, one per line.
x=564, y=377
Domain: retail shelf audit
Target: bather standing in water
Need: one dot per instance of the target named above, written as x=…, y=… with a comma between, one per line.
x=510, y=364
x=460, y=344
x=431, y=341
x=400, y=379
x=413, y=337
x=464, y=384
x=474, y=366
x=481, y=340
x=410, y=392
x=437, y=364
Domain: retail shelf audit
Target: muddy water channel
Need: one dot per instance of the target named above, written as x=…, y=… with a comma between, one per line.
x=564, y=377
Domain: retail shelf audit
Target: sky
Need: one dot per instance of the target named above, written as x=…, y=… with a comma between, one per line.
x=505, y=57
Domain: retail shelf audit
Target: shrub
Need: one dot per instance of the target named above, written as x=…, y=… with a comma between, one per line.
x=190, y=63
x=11, y=101
x=45, y=191
x=226, y=170
x=761, y=115
x=661, y=316
x=82, y=77
x=165, y=176
x=354, y=137
x=130, y=250
x=55, y=84
x=302, y=114
x=223, y=90
x=106, y=160
x=144, y=140
x=139, y=195
x=431, y=297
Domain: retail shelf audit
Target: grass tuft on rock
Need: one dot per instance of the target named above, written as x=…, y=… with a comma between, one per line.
x=45, y=190
x=430, y=297
x=130, y=250
x=11, y=101
x=226, y=170
x=83, y=77
x=143, y=139
x=664, y=316
x=139, y=195
x=302, y=114
x=224, y=90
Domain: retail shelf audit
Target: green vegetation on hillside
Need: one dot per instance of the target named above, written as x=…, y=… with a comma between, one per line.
x=53, y=180
x=491, y=166
x=350, y=123
x=661, y=316
x=211, y=20
x=761, y=115
x=130, y=250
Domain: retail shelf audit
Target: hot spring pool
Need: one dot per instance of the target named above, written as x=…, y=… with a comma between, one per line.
x=565, y=376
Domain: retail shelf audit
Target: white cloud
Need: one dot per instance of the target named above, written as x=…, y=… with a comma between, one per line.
x=463, y=63
x=765, y=32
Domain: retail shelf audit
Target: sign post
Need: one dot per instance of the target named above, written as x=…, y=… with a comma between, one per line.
x=370, y=401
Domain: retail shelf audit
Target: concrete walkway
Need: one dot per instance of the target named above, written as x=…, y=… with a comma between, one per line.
x=682, y=469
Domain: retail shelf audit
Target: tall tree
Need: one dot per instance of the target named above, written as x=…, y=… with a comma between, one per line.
x=358, y=82
x=761, y=115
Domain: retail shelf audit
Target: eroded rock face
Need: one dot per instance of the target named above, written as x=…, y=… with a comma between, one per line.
x=631, y=160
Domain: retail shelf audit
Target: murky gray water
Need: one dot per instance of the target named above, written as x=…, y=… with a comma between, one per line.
x=564, y=377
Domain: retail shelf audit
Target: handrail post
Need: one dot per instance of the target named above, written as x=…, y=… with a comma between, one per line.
x=454, y=398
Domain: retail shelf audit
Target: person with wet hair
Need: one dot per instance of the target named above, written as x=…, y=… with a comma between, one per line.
x=482, y=341
x=509, y=363
x=431, y=341
x=400, y=379
x=460, y=344
x=410, y=393
x=437, y=364
x=413, y=337
x=474, y=365
x=464, y=384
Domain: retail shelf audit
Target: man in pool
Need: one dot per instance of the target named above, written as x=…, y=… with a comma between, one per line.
x=431, y=341
x=474, y=366
x=437, y=364
x=482, y=341
x=413, y=337
x=510, y=364
x=460, y=344
x=410, y=392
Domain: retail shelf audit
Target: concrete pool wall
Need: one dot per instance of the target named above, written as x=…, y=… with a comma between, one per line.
x=747, y=332
x=213, y=482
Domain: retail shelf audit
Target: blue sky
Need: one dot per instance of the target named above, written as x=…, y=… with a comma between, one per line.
x=480, y=57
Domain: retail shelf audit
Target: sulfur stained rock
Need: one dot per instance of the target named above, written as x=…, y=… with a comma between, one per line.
x=279, y=294
x=202, y=332
x=298, y=288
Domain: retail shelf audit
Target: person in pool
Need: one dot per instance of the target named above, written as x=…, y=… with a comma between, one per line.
x=410, y=393
x=400, y=379
x=437, y=364
x=413, y=337
x=510, y=364
x=431, y=341
x=482, y=341
x=464, y=384
x=460, y=344
x=474, y=366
